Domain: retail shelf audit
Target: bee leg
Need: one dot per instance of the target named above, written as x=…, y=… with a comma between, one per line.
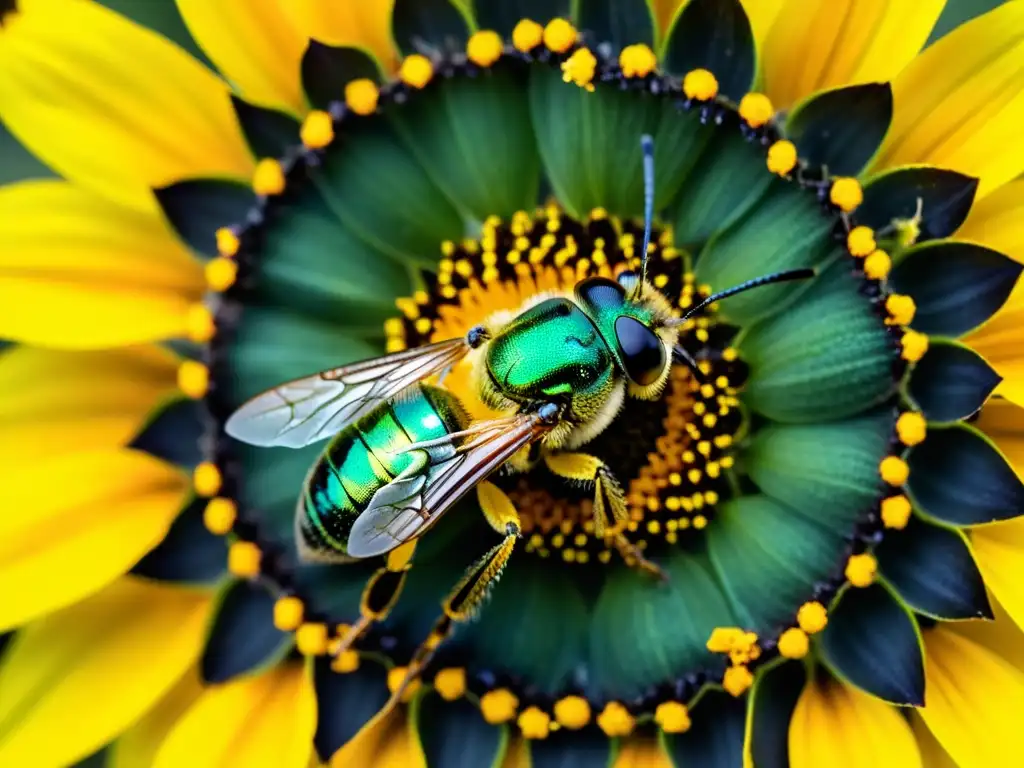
x=498, y=509
x=463, y=602
x=608, y=498
x=379, y=595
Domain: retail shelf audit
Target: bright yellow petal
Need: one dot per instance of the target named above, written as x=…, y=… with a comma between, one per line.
x=265, y=721
x=383, y=729
x=762, y=15
x=1000, y=635
x=1001, y=342
x=73, y=523
x=816, y=44
x=1003, y=421
x=932, y=753
x=75, y=680
x=999, y=550
x=642, y=753
x=998, y=221
x=79, y=271
x=54, y=402
x=664, y=12
x=517, y=755
x=835, y=724
x=137, y=747
x=112, y=105
x=960, y=104
x=255, y=44
x=973, y=700
x=365, y=24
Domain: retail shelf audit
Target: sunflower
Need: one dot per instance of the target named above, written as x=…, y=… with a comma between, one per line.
x=832, y=490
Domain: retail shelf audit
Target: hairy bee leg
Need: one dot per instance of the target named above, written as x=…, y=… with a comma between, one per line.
x=380, y=594
x=608, y=495
x=498, y=509
x=634, y=558
x=461, y=604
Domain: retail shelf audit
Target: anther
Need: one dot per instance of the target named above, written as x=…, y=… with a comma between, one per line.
x=484, y=48
x=450, y=683
x=227, y=242
x=361, y=96
x=346, y=662
x=846, y=193
x=911, y=428
x=700, y=84
x=782, y=157
x=877, y=265
x=794, y=643
x=244, y=559
x=206, y=479
x=317, y=129
x=861, y=241
x=737, y=680
x=894, y=470
x=220, y=273
x=498, y=706
x=573, y=712
x=219, y=515
x=527, y=35
x=288, y=613
x=268, y=178
x=311, y=639
x=615, y=720
x=672, y=717
x=861, y=569
x=416, y=70
x=396, y=677
x=812, y=617
x=637, y=60
x=901, y=309
x=580, y=68
x=756, y=109
x=914, y=345
x=193, y=379
x=535, y=723
x=199, y=323
x=896, y=512
x=559, y=35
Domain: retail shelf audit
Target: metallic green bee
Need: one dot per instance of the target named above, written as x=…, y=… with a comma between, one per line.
x=402, y=453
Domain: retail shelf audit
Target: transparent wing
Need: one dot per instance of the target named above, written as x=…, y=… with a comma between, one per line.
x=407, y=507
x=309, y=409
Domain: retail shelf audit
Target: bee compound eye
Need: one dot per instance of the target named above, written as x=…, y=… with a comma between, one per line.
x=643, y=354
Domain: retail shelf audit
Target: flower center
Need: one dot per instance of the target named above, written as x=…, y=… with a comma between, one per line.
x=669, y=453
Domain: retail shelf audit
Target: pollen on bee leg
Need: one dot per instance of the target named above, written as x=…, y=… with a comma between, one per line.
x=193, y=379
x=580, y=69
x=861, y=569
x=219, y=515
x=616, y=720
x=572, y=712
x=498, y=706
x=244, y=559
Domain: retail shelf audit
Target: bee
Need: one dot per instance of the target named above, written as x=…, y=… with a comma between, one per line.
x=403, y=452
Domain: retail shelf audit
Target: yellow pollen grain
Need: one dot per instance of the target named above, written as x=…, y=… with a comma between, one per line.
x=812, y=617
x=346, y=662
x=794, y=643
x=498, y=706
x=559, y=35
x=724, y=639
x=901, y=309
x=782, y=157
x=199, y=323
x=896, y=512
x=268, y=178
x=672, y=717
x=220, y=273
x=244, y=559
x=317, y=129
x=911, y=427
x=846, y=193
x=416, y=70
x=311, y=639
x=914, y=346
x=193, y=379
x=288, y=613
x=396, y=676
x=424, y=325
x=700, y=84
x=206, y=479
x=484, y=47
x=861, y=241
x=227, y=242
x=361, y=96
x=637, y=60
x=535, y=723
x=573, y=712
x=737, y=680
x=615, y=720
x=860, y=570
x=219, y=515
x=450, y=683
x=877, y=265
x=756, y=109
x=580, y=68
x=894, y=470
x=527, y=35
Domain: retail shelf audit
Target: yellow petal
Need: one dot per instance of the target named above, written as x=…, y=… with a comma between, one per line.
x=255, y=44
x=998, y=221
x=816, y=44
x=112, y=105
x=85, y=272
x=137, y=747
x=1000, y=635
x=75, y=680
x=834, y=724
x=960, y=104
x=664, y=11
x=365, y=24
x=999, y=550
x=75, y=522
x=641, y=753
x=54, y=402
x=932, y=753
x=1003, y=421
x=517, y=754
x=973, y=700
x=389, y=731
x=1001, y=342
x=266, y=721
x=762, y=14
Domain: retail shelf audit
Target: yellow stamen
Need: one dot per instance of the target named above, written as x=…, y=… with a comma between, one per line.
x=861, y=241
x=812, y=617
x=861, y=570
x=288, y=613
x=901, y=309
x=637, y=60
x=206, y=479
x=559, y=35
x=573, y=712
x=534, y=723
x=737, y=680
x=361, y=96
x=220, y=273
x=346, y=662
x=416, y=70
x=527, y=35
x=244, y=559
x=723, y=639
x=794, y=643
x=193, y=379
x=846, y=193
x=219, y=515
x=199, y=324
x=756, y=109
x=782, y=157
x=896, y=512
x=450, y=683
x=498, y=706
x=700, y=84
x=672, y=717
x=894, y=470
x=911, y=427
x=268, y=178
x=580, y=68
x=877, y=265
x=484, y=47
x=396, y=676
x=317, y=129
x=311, y=639
x=227, y=242
x=914, y=345
x=615, y=720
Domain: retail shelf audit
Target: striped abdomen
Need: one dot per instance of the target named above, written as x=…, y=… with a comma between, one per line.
x=364, y=457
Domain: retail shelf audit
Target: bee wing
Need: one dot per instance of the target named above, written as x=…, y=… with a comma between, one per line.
x=312, y=408
x=407, y=507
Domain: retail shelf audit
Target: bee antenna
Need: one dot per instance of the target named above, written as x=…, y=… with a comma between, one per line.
x=647, y=148
x=757, y=282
